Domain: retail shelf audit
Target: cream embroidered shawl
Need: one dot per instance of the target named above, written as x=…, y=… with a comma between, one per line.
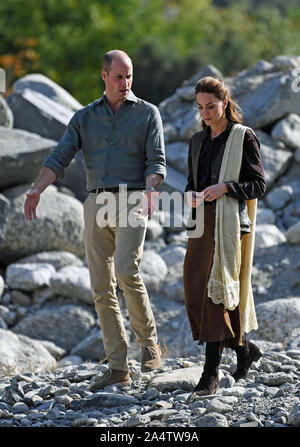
x=230, y=277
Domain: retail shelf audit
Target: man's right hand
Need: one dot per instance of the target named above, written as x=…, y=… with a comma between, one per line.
x=31, y=202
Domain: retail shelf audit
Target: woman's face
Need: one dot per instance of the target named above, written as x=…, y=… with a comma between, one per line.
x=211, y=108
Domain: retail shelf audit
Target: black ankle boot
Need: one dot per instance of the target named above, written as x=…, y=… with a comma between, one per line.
x=246, y=355
x=209, y=381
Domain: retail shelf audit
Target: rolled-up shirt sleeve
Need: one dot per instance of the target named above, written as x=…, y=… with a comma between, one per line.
x=64, y=152
x=155, y=160
x=251, y=184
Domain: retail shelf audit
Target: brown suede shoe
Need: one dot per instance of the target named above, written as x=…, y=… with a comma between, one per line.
x=111, y=377
x=150, y=357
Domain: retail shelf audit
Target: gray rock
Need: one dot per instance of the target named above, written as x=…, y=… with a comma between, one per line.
x=64, y=325
x=91, y=347
x=274, y=379
x=1, y=286
x=29, y=276
x=174, y=255
x=20, y=298
x=275, y=160
x=6, y=115
x=154, y=230
x=265, y=98
x=59, y=224
x=206, y=70
x=212, y=420
x=8, y=316
x=102, y=399
x=227, y=382
x=3, y=324
x=41, y=84
x=217, y=406
x=277, y=318
x=20, y=353
x=56, y=351
x=161, y=414
x=137, y=419
x=153, y=270
x=73, y=282
x=265, y=216
x=58, y=259
x=174, y=290
x=177, y=155
x=287, y=130
x=297, y=155
x=21, y=156
x=36, y=113
x=294, y=415
x=267, y=235
x=175, y=181
x=285, y=63
x=189, y=125
x=70, y=360
x=19, y=407
x=150, y=394
x=293, y=234
x=237, y=391
x=279, y=197
x=170, y=133
x=183, y=378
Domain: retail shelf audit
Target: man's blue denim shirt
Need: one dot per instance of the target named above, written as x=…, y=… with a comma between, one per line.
x=117, y=149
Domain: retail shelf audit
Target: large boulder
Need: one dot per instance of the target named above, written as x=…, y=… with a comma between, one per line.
x=287, y=130
x=59, y=224
x=275, y=157
x=22, y=354
x=279, y=197
x=41, y=84
x=58, y=259
x=277, y=319
x=153, y=270
x=177, y=156
x=268, y=235
x=37, y=113
x=6, y=115
x=28, y=276
x=21, y=156
x=266, y=95
x=41, y=106
x=293, y=233
x=74, y=282
x=64, y=325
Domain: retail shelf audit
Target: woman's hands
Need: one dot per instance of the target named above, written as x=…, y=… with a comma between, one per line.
x=212, y=192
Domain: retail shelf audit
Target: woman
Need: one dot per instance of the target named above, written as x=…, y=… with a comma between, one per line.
x=225, y=177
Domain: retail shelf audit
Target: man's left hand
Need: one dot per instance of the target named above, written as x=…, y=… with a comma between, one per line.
x=150, y=202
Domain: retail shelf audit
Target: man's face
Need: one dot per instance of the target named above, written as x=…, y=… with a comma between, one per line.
x=118, y=81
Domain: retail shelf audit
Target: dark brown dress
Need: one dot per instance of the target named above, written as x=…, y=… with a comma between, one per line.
x=209, y=321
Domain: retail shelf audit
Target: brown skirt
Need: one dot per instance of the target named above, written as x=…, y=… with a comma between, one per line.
x=208, y=321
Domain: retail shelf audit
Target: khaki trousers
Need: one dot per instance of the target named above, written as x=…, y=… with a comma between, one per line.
x=114, y=252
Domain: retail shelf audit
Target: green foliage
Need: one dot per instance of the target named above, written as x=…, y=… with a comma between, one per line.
x=168, y=40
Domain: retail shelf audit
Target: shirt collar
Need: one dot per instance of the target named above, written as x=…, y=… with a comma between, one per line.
x=131, y=97
x=222, y=135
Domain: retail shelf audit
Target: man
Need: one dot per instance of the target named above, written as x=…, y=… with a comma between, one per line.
x=121, y=138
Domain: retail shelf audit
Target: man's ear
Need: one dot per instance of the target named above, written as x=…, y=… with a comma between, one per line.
x=103, y=74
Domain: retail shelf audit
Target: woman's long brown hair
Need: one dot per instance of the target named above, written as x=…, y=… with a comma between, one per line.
x=217, y=87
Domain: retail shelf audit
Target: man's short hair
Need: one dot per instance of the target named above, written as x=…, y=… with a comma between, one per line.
x=110, y=56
